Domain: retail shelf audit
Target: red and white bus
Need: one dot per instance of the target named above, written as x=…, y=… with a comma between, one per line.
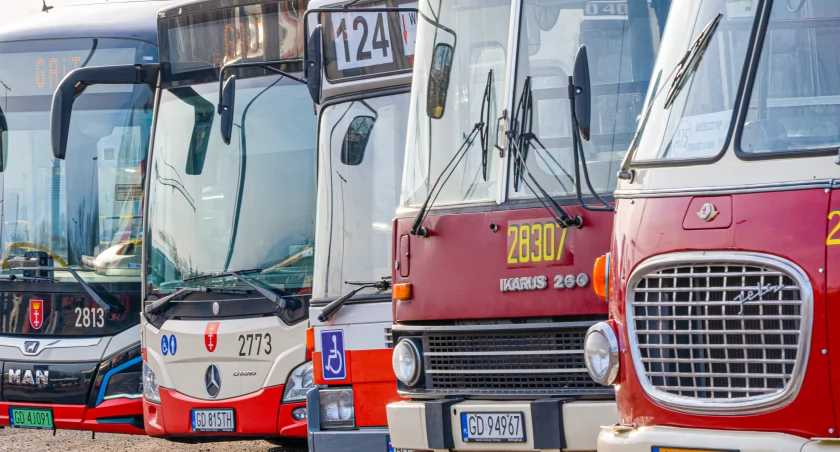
x=506, y=204
x=363, y=117
x=724, y=261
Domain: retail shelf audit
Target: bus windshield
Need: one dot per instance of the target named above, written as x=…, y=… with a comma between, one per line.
x=621, y=39
x=360, y=169
x=458, y=44
x=249, y=205
x=84, y=212
x=793, y=103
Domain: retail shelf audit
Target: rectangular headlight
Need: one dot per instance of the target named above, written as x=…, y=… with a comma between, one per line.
x=337, y=408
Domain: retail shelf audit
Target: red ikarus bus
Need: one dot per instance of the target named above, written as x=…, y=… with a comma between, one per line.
x=519, y=116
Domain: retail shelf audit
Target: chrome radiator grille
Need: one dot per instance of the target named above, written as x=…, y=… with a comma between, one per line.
x=719, y=329
x=507, y=362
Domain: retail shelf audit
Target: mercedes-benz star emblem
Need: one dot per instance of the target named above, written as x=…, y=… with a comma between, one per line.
x=215, y=308
x=212, y=380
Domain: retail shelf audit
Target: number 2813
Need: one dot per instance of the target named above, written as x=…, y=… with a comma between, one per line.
x=535, y=242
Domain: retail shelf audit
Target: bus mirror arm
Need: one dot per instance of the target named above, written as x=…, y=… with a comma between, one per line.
x=75, y=83
x=313, y=64
x=580, y=105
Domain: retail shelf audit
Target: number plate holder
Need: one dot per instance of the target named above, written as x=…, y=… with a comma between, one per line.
x=213, y=420
x=471, y=432
x=36, y=418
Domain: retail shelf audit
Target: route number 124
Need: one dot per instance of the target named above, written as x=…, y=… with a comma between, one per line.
x=361, y=39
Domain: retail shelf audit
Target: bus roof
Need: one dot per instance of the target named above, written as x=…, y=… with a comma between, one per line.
x=114, y=19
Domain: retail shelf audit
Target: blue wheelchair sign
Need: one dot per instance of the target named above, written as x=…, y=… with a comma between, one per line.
x=164, y=345
x=332, y=355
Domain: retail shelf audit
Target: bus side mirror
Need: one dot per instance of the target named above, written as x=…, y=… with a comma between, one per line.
x=226, y=108
x=356, y=139
x=314, y=63
x=75, y=83
x=4, y=141
x=439, y=80
x=583, y=93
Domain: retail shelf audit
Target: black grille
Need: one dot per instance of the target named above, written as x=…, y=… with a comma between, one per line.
x=512, y=362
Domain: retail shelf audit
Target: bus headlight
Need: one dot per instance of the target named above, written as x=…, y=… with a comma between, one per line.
x=299, y=383
x=406, y=362
x=600, y=352
x=337, y=408
x=151, y=390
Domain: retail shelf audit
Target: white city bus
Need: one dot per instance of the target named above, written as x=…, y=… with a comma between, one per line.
x=230, y=225
x=363, y=116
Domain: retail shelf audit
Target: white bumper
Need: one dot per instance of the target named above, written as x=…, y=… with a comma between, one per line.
x=667, y=439
x=409, y=424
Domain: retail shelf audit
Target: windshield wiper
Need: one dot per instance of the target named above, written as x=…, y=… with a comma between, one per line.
x=105, y=305
x=330, y=309
x=689, y=63
x=417, y=227
x=157, y=306
x=11, y=277
x=519, y=144
x=282, y=303
x=686, y=67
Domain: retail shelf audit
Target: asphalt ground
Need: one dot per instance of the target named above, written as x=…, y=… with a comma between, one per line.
x=23, y=440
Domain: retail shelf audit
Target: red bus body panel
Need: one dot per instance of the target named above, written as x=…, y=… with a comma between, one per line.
x=456, y=271
x=81, y=417
x=791, y=225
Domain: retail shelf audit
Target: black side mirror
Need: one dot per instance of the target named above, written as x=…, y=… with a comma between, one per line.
x=439, y=80
x=4, y=141
x=583, y=93
x=226, y=108
x=356, y=139
x=200, y=139
x=75, y=83
x=314, y=63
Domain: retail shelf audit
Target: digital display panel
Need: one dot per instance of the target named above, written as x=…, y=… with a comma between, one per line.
x=194, y=46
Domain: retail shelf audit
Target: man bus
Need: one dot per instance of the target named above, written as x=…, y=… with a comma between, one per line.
x=495, y=238
x=231, y=213
x=361, y=136
x=720, y=334
x=71, y=228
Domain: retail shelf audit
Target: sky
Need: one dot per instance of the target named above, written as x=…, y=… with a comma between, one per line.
x=10, y=10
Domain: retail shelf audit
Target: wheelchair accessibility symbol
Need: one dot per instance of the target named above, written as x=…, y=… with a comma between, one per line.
x=332, y=355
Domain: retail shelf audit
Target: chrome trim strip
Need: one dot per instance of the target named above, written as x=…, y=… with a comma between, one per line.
x=724, y=190
x=493, y=327
x=720, y=407
x=506, y=371
x=511, y=352
x=46, y=343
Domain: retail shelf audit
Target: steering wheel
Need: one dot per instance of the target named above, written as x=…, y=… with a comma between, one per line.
x=795, y=5
x=30, y=246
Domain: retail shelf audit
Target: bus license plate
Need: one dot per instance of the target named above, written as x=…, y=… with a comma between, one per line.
x=31, y=418
x=493, y=427
x=213, y=420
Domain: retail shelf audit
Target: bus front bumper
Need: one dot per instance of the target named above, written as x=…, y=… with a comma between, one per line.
x=111, y=416
x=671, y=439
x=259, y=414
x=325, y=440
x=550, y=424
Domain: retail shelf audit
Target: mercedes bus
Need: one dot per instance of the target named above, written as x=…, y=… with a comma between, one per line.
x=363, y=117
x=230, y=221
x=71, y=225
x=520, y=113
x=720, y=334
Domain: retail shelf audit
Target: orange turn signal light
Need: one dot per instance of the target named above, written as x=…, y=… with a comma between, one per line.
x=401, y=291
x=601, y=277
x=310, y=342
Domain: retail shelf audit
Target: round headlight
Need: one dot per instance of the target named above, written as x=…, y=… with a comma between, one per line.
x=406, y=362
x=600, y=351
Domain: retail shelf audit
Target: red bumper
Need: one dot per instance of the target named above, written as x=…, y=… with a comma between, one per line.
x=256, y=414
x=111, y=416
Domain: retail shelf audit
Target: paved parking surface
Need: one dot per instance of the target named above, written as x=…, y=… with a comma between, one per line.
x=20, y=440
